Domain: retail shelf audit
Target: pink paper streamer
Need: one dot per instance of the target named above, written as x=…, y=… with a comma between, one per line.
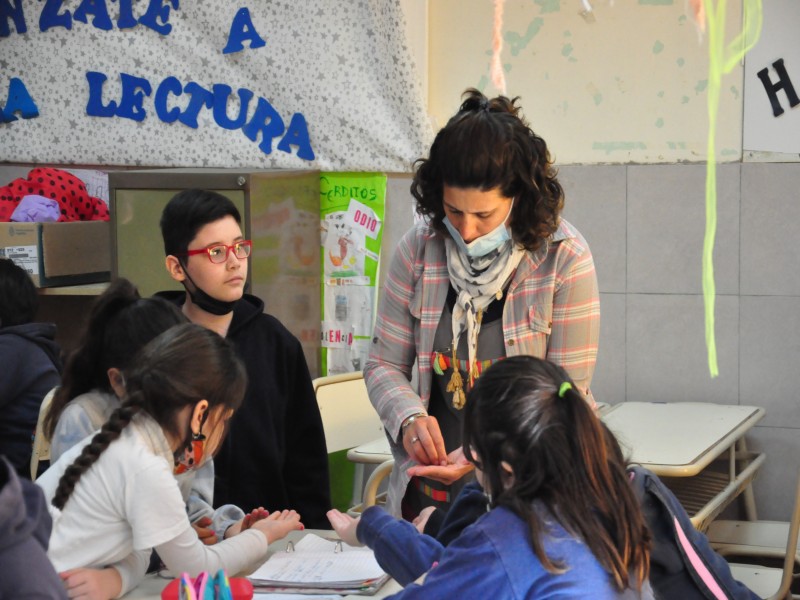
x=496, y=71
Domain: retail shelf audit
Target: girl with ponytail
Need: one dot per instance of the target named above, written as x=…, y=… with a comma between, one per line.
x=115, y=498
x=121, y=322
x=562, y=520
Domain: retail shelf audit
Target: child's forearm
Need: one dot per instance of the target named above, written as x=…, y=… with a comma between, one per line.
x=399, y=548
x=187, y=553
x=131, y=570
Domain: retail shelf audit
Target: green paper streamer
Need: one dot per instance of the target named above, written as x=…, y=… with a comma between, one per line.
x=721, y=60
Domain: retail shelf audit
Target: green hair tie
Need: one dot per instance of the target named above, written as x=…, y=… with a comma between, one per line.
x=563, y=389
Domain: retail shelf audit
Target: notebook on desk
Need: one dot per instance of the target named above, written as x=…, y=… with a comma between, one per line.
x=316, y=564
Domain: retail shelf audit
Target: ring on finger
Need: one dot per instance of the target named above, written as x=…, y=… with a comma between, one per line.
x=414, y=439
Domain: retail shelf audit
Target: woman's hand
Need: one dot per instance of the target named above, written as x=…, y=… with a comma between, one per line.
x=457, y=466
x=345, y=527
x=204, y=531
x=92, y=584
x=247, y=521
x=423, y=442
x=278, y=524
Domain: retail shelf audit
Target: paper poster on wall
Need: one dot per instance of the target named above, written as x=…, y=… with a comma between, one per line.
x=772, y=82
x=351, y=221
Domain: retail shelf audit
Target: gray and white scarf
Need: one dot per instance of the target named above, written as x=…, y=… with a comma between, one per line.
x=477, y=282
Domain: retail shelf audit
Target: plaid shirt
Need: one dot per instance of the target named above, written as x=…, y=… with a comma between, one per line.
x=552, y=310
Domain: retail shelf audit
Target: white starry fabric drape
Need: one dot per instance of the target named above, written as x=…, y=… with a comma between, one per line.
x=344, y=66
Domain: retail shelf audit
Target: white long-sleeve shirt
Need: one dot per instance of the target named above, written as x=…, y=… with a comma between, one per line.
x=86, y=413
x=128, y=503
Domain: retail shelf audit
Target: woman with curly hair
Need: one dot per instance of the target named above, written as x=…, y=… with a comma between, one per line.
x=493, y=272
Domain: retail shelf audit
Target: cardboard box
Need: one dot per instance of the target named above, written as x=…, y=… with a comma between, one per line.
x=58, y=254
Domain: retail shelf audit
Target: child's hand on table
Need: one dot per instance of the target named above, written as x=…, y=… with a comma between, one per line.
x=345, y=526
x=278, y=524
x=247, y=521
x=92, y=584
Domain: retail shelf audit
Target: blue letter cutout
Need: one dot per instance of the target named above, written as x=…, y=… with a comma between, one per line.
x=200, y=97
x=126, y=20
x=94, y=107
x=97, y=8
x=266, y=120
x=221, y=93
x=134, y=89
x=157, y=12
x=19, y=100
x=297, y=135
x=50, y=17
x=169, y=85
x=13, y=12
x=242, y=29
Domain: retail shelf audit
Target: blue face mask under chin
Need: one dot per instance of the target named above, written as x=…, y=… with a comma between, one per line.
x=484, y=244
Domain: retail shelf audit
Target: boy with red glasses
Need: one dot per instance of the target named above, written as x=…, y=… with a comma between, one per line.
x=275, y=454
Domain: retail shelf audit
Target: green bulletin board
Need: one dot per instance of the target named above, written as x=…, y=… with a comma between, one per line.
x=352, y=208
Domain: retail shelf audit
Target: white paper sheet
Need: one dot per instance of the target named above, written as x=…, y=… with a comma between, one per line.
x=316, y=561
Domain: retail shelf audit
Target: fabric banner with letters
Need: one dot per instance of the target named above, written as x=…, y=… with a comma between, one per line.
x=317, y=84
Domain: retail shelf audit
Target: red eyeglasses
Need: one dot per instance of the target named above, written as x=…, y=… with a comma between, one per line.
x=219, y=254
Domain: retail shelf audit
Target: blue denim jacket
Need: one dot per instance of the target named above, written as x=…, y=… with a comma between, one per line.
x=406, y=555
x=492, y=558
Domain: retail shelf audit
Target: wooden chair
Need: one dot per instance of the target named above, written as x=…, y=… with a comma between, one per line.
x=759, y=539
x=41, y=444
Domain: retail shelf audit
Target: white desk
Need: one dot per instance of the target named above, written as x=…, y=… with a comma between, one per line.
x=374, y=452
x=150, y=588
x=684, y=442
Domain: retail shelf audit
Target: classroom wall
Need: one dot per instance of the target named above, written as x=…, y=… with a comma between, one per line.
x=644, y=224
x=629, y=86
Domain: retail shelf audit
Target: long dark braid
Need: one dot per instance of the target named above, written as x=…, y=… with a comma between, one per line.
x=110, y=431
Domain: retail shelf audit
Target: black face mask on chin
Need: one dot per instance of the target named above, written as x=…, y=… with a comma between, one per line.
x=206, y=302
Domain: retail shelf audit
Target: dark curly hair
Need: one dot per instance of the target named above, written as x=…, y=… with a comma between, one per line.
x=488, y=145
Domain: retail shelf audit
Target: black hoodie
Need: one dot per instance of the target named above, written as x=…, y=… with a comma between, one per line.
x=274, y=454
x=25, y=570
x=30, y=368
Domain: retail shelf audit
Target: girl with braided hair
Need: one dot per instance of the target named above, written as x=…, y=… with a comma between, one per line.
x=121, y=322
x=115, y=498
